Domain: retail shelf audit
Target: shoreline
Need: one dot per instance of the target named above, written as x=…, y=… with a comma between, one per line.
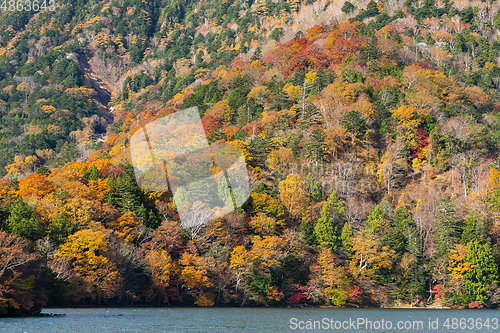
x=47, y=310
x=251, y=307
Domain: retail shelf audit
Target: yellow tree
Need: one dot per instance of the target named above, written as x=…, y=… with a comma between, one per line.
x=409, y=117
x=82, y=203
x=193, y=270
x=263, y=202
x=293, y=195
x=292, y=91
x=494, y=179
x=99, y=275
x=8, y=194
x=32, y=161
x=260, y=94
x=161, y=267
x=194, y=275
x=48, y=109
x=127, y=224
x=100, y=186
x=281, y=158
x=309, y=82
x=23, y=88
x=334, y=277
x=457, y=264
x=17, y=168
x=263, y=225
x=266, y=253
x=36, y=185
x=369, y=255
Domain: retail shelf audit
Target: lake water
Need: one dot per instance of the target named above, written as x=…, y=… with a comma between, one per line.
x=228, y=320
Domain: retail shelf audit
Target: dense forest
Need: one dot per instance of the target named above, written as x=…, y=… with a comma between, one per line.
x=370, y=130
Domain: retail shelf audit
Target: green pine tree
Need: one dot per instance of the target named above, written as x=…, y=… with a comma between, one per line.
x=314, y=188
x=60, y=228
x=332, y=218
x=345, y=237
x=370, y=51
x=93, y=173
x=308, y=232
x=257, y=55
x=483, y=274
x=448, y=231
x=376, y=217
x=23, y=222
x=348, y=7
x=474, y=228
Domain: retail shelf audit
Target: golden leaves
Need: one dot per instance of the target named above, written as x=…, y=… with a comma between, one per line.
x=194, y=270
x=22, y=87
x=410, y=116
x=263, y=224
x=244, y=147
x=127, y=224
x=274, y=294
x=238, y=258
x=292, y=91
x=293, y=194
x=18, y=167
x=281, y=158
x=161, y=267
x=266, y=253
x=101, y=39
x=48, y=109
x=259, y=93
x=494, y=179
x=457, y=264
x=82, y=203
x=311, y=78
x=205, y=299
x=83, y=246
x=100, y=186
x=221, y=110
x=35, y=185
x=85, y=94
x=84, y=249
x=333, y=276
x=369, y=255
x=263, y=202
x=8, y=89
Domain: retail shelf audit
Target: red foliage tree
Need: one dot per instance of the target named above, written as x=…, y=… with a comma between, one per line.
x=109, y=170
x=422, y=143
x=253, y=128
x=210, y=123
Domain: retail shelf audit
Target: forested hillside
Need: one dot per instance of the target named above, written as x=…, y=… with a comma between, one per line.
x=370, y=130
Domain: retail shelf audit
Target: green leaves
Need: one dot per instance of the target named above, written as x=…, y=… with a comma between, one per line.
x=316, y=148
x=376, y=218
x=332, y=217
x=23, y=222
x=345, y=236
x=60, y=228
x=447, y=232
x=484, y=272
x=126, y=196
x=354, y=123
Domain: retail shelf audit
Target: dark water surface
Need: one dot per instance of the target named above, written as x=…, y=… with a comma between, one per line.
x=228, y=320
